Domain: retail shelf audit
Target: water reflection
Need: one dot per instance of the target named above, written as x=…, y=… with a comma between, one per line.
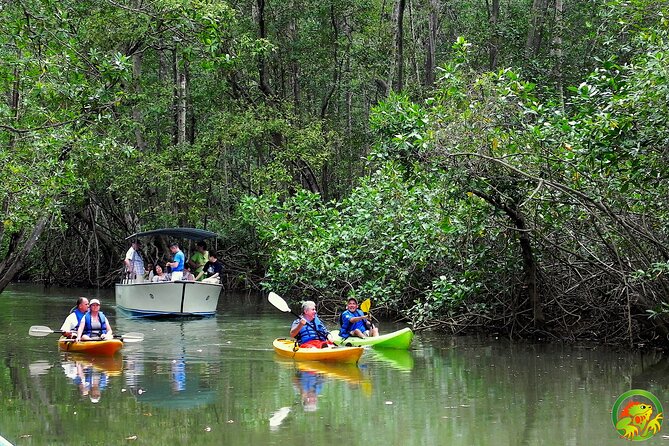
x=310, y=377
x=398, y=359
x=174, y=367
x=91, y=374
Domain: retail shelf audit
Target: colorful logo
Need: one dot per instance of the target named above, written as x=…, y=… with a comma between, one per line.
x=637, y=415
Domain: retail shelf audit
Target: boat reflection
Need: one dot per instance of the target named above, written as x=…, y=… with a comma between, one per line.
x=91, y=374
x=176, y=368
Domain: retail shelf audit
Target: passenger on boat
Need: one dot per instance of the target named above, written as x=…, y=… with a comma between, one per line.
x=178, y=264
x=211, y=270
x=308, y=329
x=94, y=325
x=355, y=323
x=150, y=272
x=134, y=264
x=199, y=258
x=188, y=276
x=69, y=327
x=159, y=275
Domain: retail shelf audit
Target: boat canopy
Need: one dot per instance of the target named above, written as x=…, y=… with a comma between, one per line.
x=187, y=233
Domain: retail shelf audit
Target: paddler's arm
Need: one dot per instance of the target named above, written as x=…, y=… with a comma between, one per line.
x=296, y=329
x=110, y=333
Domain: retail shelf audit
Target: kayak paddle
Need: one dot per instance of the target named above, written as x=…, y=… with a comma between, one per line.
x=41, y=330
x=280, y=304
x=365, y=306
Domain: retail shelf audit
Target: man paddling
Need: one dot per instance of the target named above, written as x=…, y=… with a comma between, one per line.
x=309, y=330
x=71, y=323
x=356, y=323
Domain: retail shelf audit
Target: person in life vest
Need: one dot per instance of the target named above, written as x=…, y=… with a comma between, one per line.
x=308, y=329
x=71, y=323
x=356, y=323
x=94, y=324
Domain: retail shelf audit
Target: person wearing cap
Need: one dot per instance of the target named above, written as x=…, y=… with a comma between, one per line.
x=355, y=323
x=178, y=264
x=94, y=325
x=71, y=323
x=134, y=264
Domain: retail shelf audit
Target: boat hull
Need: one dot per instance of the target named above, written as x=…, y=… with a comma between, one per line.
x=286, y=349
x=100, y=348
x=180, y=298
x=400, y=339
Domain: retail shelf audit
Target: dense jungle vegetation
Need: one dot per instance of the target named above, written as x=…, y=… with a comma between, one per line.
x=472, y=165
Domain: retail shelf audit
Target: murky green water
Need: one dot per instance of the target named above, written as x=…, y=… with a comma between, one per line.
x=217, y=381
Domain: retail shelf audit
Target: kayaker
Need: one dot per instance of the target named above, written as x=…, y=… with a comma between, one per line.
x=71, y=323
x=94, y=324
x=356, y=323
x=308, y=329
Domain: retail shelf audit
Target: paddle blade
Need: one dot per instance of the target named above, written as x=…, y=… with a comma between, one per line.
x=40, y=330
x=278, y=302
x=365, y=305
x=132, y=337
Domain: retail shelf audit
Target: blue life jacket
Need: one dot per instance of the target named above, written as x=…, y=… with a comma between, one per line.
x=307, y=333
x=80, y=314
x=88, y=329
x=347, y=326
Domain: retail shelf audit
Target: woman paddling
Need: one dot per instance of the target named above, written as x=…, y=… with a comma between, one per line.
x=94, y=325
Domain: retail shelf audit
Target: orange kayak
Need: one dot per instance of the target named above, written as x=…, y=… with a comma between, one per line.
x=287, y=349
x=102, y=348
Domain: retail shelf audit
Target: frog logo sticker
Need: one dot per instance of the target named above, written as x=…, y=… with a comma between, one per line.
x=637, y=415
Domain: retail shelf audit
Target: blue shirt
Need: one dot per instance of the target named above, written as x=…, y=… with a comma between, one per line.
x=180, y=259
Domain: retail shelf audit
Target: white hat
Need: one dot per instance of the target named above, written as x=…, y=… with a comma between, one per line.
x=94, y=301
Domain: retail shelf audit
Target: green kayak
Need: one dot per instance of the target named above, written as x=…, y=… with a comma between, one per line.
x=400, y=339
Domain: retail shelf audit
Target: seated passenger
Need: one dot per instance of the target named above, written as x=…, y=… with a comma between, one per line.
x=94, y=324
x=188, y=276
x=159, y=275
x=211, y=270
x=355, y=323
x=69, y=327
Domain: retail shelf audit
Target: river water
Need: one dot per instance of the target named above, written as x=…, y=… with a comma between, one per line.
x=216, y=381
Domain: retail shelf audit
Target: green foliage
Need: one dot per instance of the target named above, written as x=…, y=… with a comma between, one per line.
x=389, y=241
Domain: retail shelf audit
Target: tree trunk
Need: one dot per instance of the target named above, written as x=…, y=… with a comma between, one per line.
x=396, y=77
x=535, y=28
x=529, y=263
x=136, y=108
x=180, y=99
x=262, y=64
x=431, y=51
x=556, y=49
x=335, y=64
x=14, y=263
x=493, y=19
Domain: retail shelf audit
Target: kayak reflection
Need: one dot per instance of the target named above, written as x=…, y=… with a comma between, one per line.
x=310, y=379
x=397, y=359
x=91, y=374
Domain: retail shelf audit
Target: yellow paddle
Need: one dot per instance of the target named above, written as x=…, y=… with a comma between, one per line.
x=365, y=306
